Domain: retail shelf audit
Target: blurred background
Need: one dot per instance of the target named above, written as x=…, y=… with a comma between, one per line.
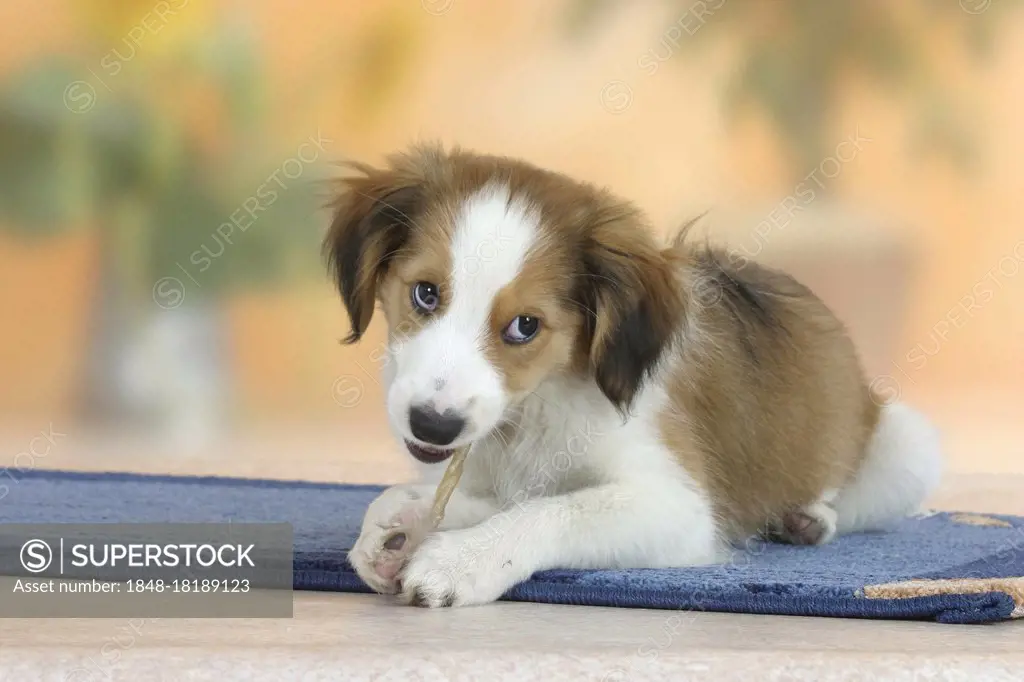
x=162, y=162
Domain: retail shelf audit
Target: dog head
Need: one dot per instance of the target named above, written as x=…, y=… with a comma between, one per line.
x=494, y=277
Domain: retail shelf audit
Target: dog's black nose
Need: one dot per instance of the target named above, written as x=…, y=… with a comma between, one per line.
x=430, y=426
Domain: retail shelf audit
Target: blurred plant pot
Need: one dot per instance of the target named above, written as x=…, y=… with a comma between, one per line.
x=174, y=375
x=861, y=265
x=155, y=366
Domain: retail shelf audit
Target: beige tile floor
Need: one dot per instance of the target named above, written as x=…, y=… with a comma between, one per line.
x=362, y=637
x=337, y=636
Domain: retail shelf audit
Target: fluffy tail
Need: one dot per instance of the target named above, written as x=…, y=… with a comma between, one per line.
x=902, y=467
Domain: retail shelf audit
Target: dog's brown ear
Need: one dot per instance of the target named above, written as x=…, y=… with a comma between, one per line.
x=631, y=301
x=373, y=215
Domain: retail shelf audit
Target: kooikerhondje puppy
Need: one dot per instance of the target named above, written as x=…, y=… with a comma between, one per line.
x=627, y=405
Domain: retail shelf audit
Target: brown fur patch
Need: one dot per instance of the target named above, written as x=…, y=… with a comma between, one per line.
x=425, y=258
x=768, y=404
x=540, y=291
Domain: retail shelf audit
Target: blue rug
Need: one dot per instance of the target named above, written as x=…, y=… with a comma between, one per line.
x=945, y=567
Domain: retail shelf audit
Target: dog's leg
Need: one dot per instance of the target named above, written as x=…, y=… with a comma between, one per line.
x=641, y=523
x=902, y=468
x=394, y=526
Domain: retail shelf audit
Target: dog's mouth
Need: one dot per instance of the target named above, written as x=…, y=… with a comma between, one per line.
x=428, y=455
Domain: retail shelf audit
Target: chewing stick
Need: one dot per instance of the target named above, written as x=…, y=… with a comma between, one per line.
x=447, y=486
x=401, y=538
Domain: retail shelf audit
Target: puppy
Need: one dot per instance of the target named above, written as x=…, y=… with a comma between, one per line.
x=627, y=405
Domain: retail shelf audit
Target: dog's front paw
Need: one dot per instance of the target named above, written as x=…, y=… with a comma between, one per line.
x=392, y=529
x=457, y=568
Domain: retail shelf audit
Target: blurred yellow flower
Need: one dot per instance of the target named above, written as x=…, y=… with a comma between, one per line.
x=149, y=29
x=384, y=57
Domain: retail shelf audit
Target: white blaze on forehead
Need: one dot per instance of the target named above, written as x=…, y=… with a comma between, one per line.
x=493, y=235
x=446, y=365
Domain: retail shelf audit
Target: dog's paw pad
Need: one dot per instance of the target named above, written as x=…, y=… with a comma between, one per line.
x=395, y=542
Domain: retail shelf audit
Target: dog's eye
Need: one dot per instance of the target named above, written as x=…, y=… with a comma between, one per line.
x=521, y=329
x=425, y=297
